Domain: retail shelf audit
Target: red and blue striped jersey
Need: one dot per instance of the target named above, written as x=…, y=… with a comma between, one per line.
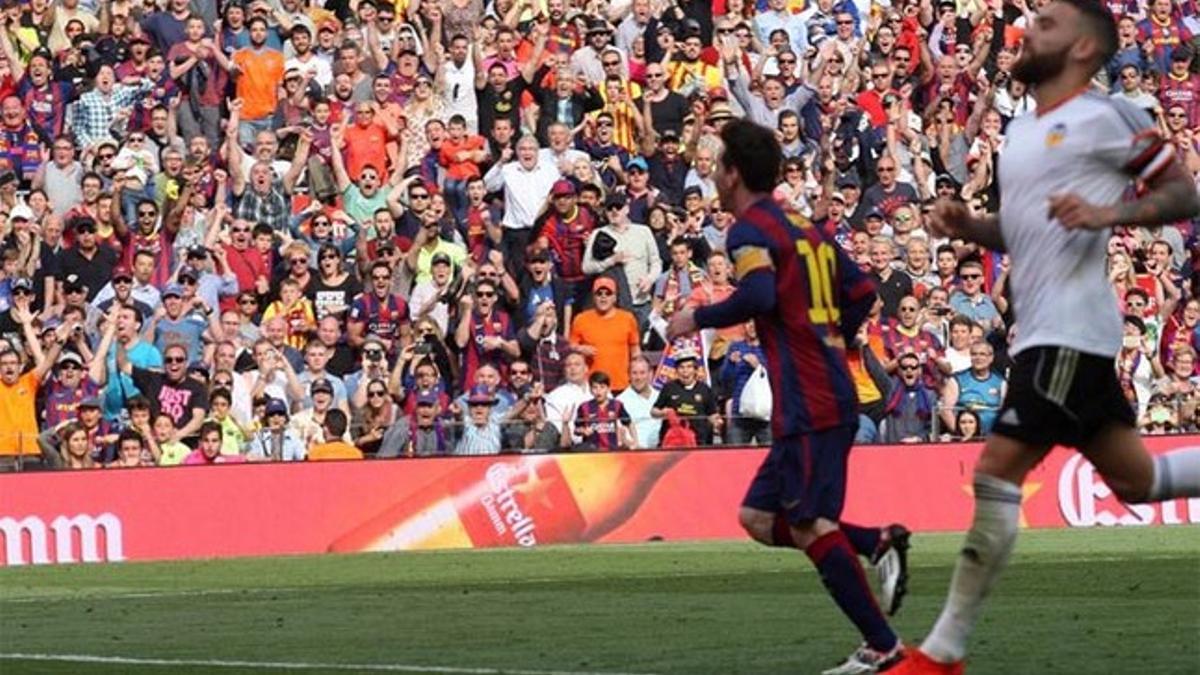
x=820, y=296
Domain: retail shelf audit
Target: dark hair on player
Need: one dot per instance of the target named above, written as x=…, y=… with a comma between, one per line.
x=1099, y=22
x=754, y=151
x=335, y=423
x=599, y=377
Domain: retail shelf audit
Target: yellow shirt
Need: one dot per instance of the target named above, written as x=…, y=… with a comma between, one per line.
x=18, y=422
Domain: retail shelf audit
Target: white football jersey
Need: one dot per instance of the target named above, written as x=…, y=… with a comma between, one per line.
x=1093, y=146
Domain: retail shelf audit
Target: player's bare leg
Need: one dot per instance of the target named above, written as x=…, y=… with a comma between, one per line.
x=1136, y=476
x=837, y=562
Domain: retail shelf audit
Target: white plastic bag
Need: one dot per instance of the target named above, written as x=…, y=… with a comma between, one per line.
x=756, y=396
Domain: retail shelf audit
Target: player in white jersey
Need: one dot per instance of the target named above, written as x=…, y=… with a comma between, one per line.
x=1063, y=172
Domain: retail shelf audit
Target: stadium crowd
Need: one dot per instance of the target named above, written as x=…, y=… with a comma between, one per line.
x=269, y=231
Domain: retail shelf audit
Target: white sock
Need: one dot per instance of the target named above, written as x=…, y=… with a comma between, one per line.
x=1176, y=474
x=984, y=554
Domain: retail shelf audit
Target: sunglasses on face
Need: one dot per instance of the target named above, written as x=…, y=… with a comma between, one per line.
x=419, y=195
x=240, y=230
x=376, y=394
x=514, y=371
x=299, y=261
x=21, y=291
x=603, y=293
x=909, y=368
x=105, y=156
x=972, y=276
x=247, y=301
x=174, y=359
x=787, y=62
x=147, y=213
x=485, y=294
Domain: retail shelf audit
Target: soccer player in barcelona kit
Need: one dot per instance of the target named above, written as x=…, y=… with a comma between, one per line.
x=807, y=299
x=1063, y=173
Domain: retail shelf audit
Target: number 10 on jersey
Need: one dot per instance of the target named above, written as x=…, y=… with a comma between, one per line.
x=822, y=271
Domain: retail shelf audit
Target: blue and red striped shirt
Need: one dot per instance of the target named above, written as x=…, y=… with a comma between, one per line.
x=820, y=297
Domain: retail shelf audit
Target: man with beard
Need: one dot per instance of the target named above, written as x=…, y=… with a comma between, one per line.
x=259, y=70
x=1066, y=174
x=306, y=60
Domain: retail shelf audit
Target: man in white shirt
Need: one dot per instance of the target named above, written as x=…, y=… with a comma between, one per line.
x=526, y=183
x=639, y=399
x=458, y=83
x=568, y=396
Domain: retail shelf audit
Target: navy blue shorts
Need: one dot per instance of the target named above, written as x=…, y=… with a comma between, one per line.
x=804, y=476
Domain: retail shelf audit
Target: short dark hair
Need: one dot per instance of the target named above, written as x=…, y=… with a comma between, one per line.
x=754, y=151
x=1100, y=24
x=600, y=377
x=129, y=435
x=335, y=423
x=211, y=426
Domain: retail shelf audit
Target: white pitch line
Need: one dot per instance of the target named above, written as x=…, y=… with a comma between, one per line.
x=291, y=665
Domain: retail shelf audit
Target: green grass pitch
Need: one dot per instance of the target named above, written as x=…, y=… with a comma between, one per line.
x=1088, y=601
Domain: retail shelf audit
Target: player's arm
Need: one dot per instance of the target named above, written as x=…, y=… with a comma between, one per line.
x=954, y=220
x=755, y=293
x=1169, y=193
x=1171, y=197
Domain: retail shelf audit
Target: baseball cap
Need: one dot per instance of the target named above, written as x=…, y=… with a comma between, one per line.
x=669, y=136
x=91, y=402
x=945, y=179
x=847, y=180
x=481, y=394
x=23, y=283
x=189, y=272
x=604, y=282
x=427, y=398
x=276, y=407
x=331, y=24
x=638, y=162
x=73, y=283
x=173, y=289
x=197, y=252
x=686, y=355
x=563, y=188
x=539, y=255
x=20, y=212
x=139, y=39
x=441, y=258
x=875, y=212
x=70, y=357
x=122, y=272
x=837, y=196
x=7, y=176
x=321, y=384
x=598, y=26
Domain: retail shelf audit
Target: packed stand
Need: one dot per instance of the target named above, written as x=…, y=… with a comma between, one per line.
x=272, y=232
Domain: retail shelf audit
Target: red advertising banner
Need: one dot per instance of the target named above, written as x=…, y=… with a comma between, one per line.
x=511, y=500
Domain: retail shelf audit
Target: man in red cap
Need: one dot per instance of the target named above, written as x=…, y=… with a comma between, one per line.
x=607, y=335
x=564, y=230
